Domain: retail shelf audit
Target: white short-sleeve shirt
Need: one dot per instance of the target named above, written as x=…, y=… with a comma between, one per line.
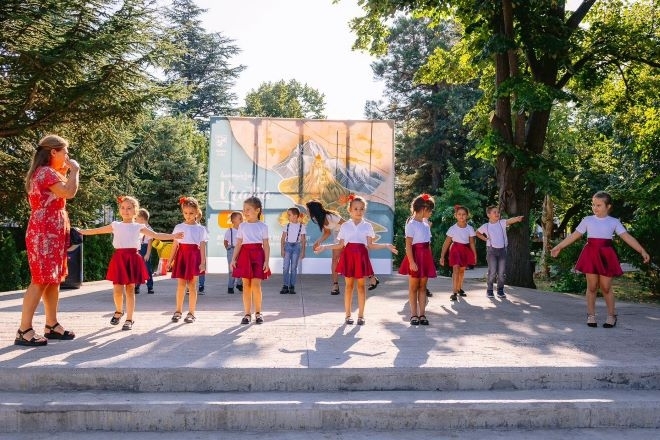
x=496, y=234
x=295, y=232
x=231, y=235
x=333, y=222
x=420, y=232
x=352, y=233
x=461, y=235
x=126, y=235
x=600, y=227
x=252, y=233
x=192, y=234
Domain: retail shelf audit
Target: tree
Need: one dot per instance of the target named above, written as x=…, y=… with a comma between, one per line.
x=430, y=132
x=202, y=66
x=534, y=49
x=73, y=61
x=285, y=100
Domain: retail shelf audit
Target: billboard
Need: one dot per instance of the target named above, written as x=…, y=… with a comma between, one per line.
x=287, y=162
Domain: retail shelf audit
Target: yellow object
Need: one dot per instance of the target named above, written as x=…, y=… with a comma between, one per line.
x=164, y=248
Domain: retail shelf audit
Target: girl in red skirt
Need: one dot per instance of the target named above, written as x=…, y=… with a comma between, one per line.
x=418, y=262
x=126, y=267
x=598, y=260
x=355, y=238
x=250, y=259
x=189, y=259
x=462, y=250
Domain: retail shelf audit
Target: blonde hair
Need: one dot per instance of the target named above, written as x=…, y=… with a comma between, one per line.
x=41, y=156
x=132, y=200
x=191, y=202
x=144, y=214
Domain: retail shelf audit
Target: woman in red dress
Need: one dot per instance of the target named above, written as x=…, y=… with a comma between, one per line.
x=47, y=236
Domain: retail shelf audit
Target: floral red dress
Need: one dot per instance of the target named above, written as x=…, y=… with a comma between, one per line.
x=47, y=235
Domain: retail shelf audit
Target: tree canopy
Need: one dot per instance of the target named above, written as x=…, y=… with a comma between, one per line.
x=285, y=100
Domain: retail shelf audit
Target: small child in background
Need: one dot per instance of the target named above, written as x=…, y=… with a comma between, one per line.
x=231, y=238
x=355, y=239
x=462, y=250
x=250, y=259
x=418, y=262
x=598, y=260
x=126, y=267
x=494, y=234
x=189, y=257
x=145, y=250
x=293, y=243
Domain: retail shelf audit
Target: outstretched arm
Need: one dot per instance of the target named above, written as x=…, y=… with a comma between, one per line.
x=633, y=243
x=565, y=242
x=372, y=245
x=107, y=229
x=513, y=220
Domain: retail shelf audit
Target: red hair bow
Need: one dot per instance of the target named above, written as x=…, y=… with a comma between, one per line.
x=425, y=197
x=456, y=207
x=120, y=199
x=182, y=200
x=351, y=197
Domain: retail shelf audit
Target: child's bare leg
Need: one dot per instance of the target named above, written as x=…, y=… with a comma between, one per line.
x=348, y=296
x=454, y=278
x=130, y=301
x=421, y=296
x=592, y=290
x=180, y=294
x=192, y=295
x=257, y=297
x=335, y=259
x=362, y=296
x=461, y=275
x=118, y=297
x=413, y=287
x=247, y=296
x=605, y=284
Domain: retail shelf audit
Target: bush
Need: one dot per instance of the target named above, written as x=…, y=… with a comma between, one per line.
x=97, y=250
x=13, y=263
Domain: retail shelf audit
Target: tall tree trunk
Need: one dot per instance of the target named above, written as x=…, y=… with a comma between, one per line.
x=547, y=224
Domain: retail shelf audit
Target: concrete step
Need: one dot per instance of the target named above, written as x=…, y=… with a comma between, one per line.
x=46, y=379
x=367, y=410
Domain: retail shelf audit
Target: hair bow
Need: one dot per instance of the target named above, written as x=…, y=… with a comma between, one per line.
x=120, y=199
x=182, y=200
x=425, y=197
x=456, y=207
x=351, y=197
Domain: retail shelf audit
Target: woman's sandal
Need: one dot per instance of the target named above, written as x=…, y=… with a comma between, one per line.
x=591, y=321
x=190, y=318
x=128, y=325
x=52, y=334
x=414, y=320
x=423, y=320
x=611, y=321
x=372, y=286
x=349, y=320
x=246, y=319
x=32, y=342
x=176, y=316
x=360, y=321
x=258, y=318
x=116, y=317
x=335, y=291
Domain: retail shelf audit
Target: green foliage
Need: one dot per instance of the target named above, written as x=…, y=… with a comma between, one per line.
x=645, y=230
x=14, y=263
x=202, y=66
x=285, y=100
x=97, y=250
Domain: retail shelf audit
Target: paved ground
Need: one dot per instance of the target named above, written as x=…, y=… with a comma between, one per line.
x=529, y=328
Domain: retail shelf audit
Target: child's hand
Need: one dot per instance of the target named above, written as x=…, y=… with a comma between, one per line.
x=232, y=265
x=266, y=268
x=393, y=249
x=412, y=266
x=316, y=246
x=178, y=235
x=442, y=261
x=318, y=249
x=202, y=267
x=555, y=251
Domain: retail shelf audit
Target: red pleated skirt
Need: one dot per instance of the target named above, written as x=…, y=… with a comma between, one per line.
x=354, y=261
x=424, y=259
x=461, y=255
x=250, y=262
x=599, y=257
x=186, y=262
x=127, y=267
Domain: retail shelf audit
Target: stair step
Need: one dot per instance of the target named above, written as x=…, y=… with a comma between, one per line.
x=366, y=410
x=43, y=379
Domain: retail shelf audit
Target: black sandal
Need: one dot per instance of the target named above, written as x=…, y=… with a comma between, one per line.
x=349, y=320
x=423, y=320
x=176, y=316
x=374, y=285
x=33, y=342
x=414, y=320
x=246, y=319
x=335, y=291
x=258, y=318
x=116, y=317
x=52, y=334
x=360, y=321
x=190, y=318
x=128, y=325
